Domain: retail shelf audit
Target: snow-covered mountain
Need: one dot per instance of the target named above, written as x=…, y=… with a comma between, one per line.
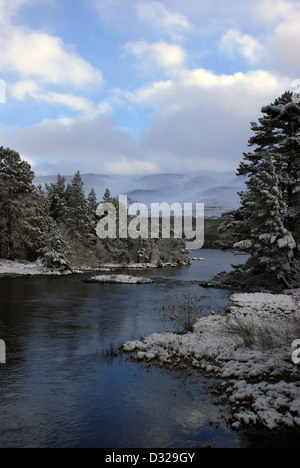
x=218, y=191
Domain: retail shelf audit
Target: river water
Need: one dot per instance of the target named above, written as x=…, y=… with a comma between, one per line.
x=60, y=389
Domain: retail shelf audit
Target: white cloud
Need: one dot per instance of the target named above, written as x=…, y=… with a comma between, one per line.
x=234, y=43
x=22, y=89
x=191, y=88
x=10, y=8
x=164, y=20
x=274, y=11
x=159, y=54
x=42, y=66
x=283, y=46
x=87, y=144
x=32, y=54
x=200, y=121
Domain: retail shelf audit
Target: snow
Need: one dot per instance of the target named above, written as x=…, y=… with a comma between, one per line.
x=259, y=379
x=138, y=266
x=126, y=279
x=9, y=267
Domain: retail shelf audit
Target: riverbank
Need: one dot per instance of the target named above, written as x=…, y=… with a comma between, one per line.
x=24, y=268
x=248, y=350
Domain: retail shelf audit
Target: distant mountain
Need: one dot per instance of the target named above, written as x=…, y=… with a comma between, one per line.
x=218, y=191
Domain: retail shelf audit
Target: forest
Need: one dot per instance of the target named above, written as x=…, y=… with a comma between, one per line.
x=57, y=224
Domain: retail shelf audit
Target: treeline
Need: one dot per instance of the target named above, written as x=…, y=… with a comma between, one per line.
x=57, y=223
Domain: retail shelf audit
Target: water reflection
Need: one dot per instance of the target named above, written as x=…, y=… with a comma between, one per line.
x=57, y=388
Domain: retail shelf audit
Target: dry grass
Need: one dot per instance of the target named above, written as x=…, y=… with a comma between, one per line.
x=263, y=335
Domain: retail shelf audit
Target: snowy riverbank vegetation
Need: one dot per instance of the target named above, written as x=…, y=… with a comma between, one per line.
x=57, y=225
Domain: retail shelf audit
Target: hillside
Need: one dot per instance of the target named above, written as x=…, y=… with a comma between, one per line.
x=218, y=191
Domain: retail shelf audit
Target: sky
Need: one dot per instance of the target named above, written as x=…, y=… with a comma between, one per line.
x=141, y=87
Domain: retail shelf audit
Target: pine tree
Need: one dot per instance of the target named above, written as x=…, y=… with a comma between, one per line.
x=267, y=224
x=78, y=221
x=286, y=157
x=92, y=211
x=55, y=254
x=279, y=135
x=260, y=224
x=16, y=204
x=92, y=201
x=56, y=196
x=37, y=225
x=107, y=196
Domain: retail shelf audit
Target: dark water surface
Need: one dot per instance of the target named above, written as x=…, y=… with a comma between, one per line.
x=58, y=387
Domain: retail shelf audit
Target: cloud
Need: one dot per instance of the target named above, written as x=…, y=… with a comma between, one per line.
x=234, y=43
x=37, y=55
x=88, y=144
x=172, y=23
x=272, y=12
x=239, y=92
x=200, y=121
x=10, y=8
x=197, y=118
x=41, y=66
x=29, y=88
x=283, y=46
x=159, y=54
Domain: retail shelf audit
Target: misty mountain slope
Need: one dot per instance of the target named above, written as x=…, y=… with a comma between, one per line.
x=218, y=191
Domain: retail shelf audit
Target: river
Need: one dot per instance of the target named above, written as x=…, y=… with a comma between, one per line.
x=60, y=388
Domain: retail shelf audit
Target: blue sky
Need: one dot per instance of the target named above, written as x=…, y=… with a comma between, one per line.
x=139, y=87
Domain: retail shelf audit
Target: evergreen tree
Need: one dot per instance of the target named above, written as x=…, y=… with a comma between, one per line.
x=286, y=157
x=267, y=224
x=37, y=226
x=16, y=204
x=279, y=135
x=78, y=221
x=55, y=254
x=92, y=210
x=260, y=227
x=92, y=201
x=56, y=196
x=107, y=196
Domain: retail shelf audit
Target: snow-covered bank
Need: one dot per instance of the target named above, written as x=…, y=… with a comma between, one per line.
x=23, y=268
x=248, y=349
x=115, y=279
x=142, y=266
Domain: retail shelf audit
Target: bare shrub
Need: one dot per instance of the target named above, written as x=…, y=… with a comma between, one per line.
x=185, y=310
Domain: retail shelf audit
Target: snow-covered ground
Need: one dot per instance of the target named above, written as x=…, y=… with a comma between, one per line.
x=9, y=267
x=140, y=266
x=125, y=279
x=248, y=349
